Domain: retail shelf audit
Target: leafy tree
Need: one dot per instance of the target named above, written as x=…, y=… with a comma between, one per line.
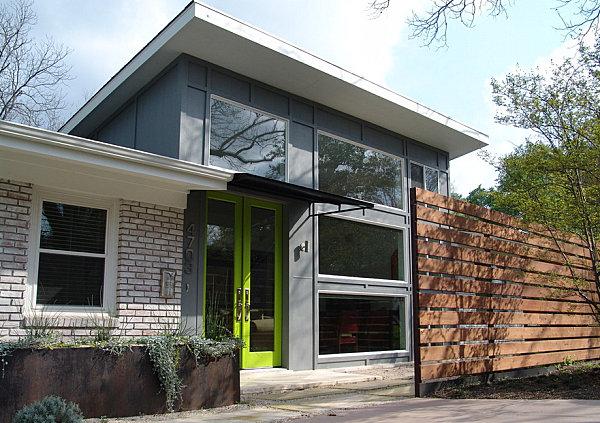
x=553, y=179
x=433, y=25
x=31, y=72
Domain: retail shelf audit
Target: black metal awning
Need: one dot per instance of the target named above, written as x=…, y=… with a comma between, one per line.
x=296, y=192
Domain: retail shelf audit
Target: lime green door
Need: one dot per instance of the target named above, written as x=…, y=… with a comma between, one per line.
x=243, y=276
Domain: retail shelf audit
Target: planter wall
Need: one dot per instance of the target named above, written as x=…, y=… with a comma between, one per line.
x=105, y=384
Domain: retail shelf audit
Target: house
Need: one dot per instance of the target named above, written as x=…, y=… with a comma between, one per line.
x=227, y=182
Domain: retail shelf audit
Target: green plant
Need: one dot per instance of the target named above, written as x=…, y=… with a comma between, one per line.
x=51, y=409
x=215, y=326
x=102, y=326
x=40, y=328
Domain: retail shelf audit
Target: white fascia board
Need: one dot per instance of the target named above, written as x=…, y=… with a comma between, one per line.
x=66, y=162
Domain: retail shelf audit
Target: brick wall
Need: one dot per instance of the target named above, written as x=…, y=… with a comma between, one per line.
x=150, y=239
x=15, y=214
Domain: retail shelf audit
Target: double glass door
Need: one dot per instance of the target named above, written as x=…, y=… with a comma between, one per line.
x=243, y=276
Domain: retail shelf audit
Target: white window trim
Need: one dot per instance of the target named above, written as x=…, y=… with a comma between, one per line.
x=110, y=262
x=425, y=168
x=385, y=153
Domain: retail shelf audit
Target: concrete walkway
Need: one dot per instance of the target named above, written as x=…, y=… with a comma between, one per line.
x=329, y=396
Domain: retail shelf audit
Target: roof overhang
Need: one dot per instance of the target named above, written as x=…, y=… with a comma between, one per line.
x=66, y=162
x=211, y=35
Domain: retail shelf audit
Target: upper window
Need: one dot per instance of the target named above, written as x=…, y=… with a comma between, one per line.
x=246, y=140
x=428, y=178
x=354, y=249
x=72, y=255
x=354, y=171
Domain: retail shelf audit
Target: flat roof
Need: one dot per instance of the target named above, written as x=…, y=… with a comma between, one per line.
x=225, y=41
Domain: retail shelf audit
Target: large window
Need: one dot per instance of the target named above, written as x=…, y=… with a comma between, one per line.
x=353, y=323
x=71, y=259
x=246, y=140
x=354, y=171
x=348, y=248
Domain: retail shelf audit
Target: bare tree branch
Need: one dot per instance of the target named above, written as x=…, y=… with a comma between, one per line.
x=31, y=73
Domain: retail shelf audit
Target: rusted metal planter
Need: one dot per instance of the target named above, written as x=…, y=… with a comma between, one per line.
x=105, y=384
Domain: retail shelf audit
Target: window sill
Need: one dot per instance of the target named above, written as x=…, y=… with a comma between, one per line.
x=69, y=320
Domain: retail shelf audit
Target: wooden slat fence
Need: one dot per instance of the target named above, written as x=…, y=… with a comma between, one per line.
x=491, y=294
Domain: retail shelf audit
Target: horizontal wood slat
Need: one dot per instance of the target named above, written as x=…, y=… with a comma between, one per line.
x=438, y=318
x=457, y=368
x=447, y=352
x=439, y=283
x=495, y=303
x=438, y=335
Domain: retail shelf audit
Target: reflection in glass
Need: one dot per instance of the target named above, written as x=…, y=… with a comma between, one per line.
x=220, y=248
x=262, y=280
x=352, y=323
x=431, y=179
x=349, y=248
x=416, y=176
x=246, y=140
x=354, y=171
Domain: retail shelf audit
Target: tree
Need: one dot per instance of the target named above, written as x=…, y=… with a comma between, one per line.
x=553, y=179
x=433, y=25
x=31, y=72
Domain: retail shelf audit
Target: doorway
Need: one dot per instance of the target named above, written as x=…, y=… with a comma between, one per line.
x=242, y=281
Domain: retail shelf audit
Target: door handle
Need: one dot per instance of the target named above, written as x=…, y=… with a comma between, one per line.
x=238, y=312
x=247, y=304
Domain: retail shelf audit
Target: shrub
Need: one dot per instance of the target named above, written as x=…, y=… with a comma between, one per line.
x=51, y=409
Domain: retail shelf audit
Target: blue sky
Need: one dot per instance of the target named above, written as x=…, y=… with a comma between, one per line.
x=455, y=81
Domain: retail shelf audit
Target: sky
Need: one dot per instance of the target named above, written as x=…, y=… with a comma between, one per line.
x=104, y=35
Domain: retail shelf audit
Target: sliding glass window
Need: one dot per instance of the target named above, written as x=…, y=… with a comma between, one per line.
x=247, y=140
x=354, y=171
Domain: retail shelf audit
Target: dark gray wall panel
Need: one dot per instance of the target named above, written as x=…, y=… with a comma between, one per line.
x=338, y=125
x=271, y=101
x=383, y=141
x=192, y=126
x=158, y=111
x=443, y=161
x=299, y=336
x=121, y=129
x=193, y=261
x=302, y=112
x=230, y=87
x=422, y=154
x=300, y=155
x=197, y=75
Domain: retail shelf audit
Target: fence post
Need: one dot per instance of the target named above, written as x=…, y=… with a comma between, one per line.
x=415, y=292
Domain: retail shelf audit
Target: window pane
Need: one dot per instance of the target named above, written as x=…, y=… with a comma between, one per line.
x=353, y=171
x=416, y=176
x=220, y=266
x=70, y=280
x=351, y=323
x=356, y=249
x=246, y=141
x=431, y=179
x=72, y=228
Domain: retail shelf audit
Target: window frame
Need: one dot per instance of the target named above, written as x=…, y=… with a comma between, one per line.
x=404, y=186
x=326, y=277
x=425, y=168
x=255, y=110
x=324, y=358
x=110, y=252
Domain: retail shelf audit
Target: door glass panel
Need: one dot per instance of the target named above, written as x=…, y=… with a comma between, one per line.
x=220, y=246
x=262, y=279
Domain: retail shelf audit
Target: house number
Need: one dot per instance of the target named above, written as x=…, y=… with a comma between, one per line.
x=189, y=248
